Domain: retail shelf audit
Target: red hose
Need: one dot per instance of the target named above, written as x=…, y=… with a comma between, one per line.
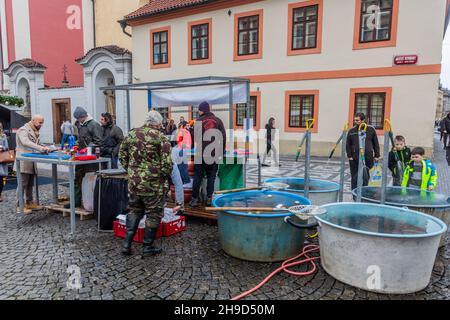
x=287, y=264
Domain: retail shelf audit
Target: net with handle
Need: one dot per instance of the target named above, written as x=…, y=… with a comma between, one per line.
x=305, y=212
x=275, y=185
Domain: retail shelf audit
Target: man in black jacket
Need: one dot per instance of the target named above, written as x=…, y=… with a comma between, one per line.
x=89, y=135
x=372, y=150
x=207, y=153
x=443, y=124
x=112, y=138
x=446, y=128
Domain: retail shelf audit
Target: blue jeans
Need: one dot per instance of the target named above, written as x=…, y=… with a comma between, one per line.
x=65, y=138
x=184, y=172
x=183, y=166
x=178, y=183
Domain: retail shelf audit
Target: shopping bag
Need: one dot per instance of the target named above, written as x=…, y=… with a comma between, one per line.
x=375, y=175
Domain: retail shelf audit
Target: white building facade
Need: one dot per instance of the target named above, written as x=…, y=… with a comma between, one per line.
x=321, y=59
x=101, y=66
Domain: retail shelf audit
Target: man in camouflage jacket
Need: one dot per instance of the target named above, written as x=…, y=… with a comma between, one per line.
x=146, y=156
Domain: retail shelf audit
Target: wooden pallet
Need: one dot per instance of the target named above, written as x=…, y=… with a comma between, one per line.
x=84, y=215
x=199, y=213
x=195, y=212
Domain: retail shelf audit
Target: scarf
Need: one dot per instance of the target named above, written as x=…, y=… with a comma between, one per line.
x=36, y=131
x=89, y=118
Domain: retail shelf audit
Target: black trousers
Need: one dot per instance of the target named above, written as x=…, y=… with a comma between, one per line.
x=211, y=173
x=354, y=172
x=1, y=184
x=447, y=155
x=444, y=136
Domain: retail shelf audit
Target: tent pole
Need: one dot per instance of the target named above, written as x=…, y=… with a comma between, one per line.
x=128, y=111
x=247, y=137
x=149, y=99
x=230, y=106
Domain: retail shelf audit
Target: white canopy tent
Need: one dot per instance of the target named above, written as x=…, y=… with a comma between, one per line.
x=192, y=92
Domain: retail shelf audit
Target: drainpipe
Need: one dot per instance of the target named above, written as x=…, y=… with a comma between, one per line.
x=94, y=21
x=1, y=57
x=124, y=25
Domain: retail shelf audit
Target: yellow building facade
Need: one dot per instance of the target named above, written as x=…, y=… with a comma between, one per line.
x=107, y=14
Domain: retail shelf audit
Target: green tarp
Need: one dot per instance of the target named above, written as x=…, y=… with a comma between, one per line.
x=231, y=175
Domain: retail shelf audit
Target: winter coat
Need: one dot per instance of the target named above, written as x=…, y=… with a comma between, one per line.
x=429, y=175
x=112, y=138
x=445, y=124
x=67, y=128
x=269, y=137
x=372, y=149
x=210, y=121
x=184, y=139
x=27, y=141
x=4, y=166
x=90, y=133
x=404, y=156
x=146, y=156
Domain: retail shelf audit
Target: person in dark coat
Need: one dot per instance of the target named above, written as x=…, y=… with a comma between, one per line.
x=446, y=127
x=90, y=134
x=3, y=166
x=210, y=162
x=270, y=127
x=170, y=128
x=372, y=150
x=112, y=138
x=400, y=152
x=443, y=124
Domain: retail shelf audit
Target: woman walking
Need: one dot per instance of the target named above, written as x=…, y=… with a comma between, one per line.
x=270, y=131
x=3, y=166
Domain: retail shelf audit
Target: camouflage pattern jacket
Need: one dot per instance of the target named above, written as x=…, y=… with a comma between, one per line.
x=146, y=156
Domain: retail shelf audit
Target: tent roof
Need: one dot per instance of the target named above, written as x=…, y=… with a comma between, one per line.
x=180, y=83
x=11, y=108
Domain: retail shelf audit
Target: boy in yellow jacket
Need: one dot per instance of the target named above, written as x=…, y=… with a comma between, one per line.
x=420, y=173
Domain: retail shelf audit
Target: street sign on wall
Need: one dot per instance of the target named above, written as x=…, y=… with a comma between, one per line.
x=406, y=59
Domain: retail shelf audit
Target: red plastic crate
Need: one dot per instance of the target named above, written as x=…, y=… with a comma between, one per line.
x=120, y=231
x=174, y=227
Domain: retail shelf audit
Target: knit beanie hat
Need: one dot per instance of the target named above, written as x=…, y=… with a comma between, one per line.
x=204, y=107
x=80, y=113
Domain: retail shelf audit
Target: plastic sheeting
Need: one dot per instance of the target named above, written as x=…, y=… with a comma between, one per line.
x=87, y=189
x=214, y=96
x=113, y=201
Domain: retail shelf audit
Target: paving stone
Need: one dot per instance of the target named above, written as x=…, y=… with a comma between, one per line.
x=36, y=251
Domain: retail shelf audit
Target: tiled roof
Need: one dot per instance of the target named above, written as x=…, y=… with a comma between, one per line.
x=113, y=49
x=27, y=63
x=30, y=63
x=159, y=6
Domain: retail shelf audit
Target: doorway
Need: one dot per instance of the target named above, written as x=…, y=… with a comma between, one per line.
x=61, y=112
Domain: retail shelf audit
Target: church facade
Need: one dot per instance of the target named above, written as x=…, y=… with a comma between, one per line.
x=101, y=67
x=56, y=55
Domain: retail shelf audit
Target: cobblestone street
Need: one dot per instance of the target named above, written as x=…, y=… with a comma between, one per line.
x=36, y=252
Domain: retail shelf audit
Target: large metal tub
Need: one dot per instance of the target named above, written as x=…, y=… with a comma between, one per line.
x=379, y=248
x=320, y=191
x=435, y=204
x=259, y=237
